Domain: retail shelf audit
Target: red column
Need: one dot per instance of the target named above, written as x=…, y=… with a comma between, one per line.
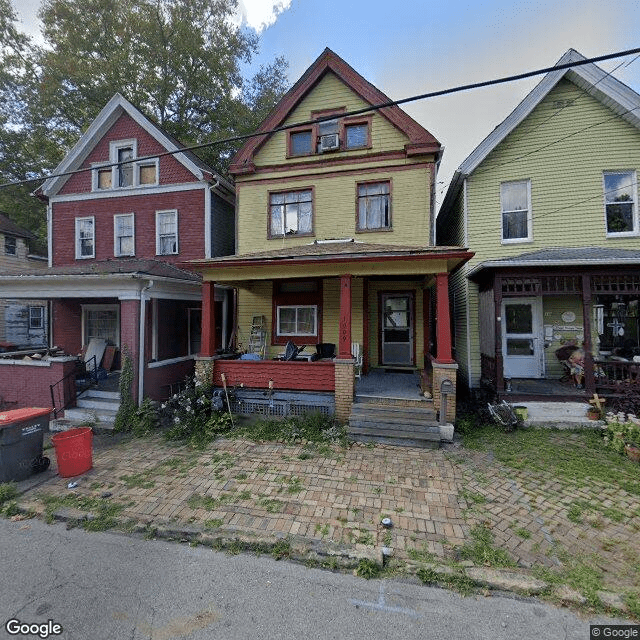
x=344, y=339
x=208, y=344
x=443, y=319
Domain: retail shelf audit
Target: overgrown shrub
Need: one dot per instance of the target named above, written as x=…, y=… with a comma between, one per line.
x=127, y=403
x=621, y=429
x=189, y=416
x=311, y=427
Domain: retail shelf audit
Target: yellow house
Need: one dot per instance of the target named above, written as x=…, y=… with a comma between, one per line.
x=548, y=309
x=335, y=252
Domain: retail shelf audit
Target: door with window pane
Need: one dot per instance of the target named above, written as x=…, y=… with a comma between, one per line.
x=521, y=338
x=101, y=321
x=397, y=329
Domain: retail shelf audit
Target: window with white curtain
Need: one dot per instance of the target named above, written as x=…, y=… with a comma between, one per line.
x=166, y=232
x=123, y=231
x=291, y=213
x=374, y=206
x=85, y=238
x=515, y=201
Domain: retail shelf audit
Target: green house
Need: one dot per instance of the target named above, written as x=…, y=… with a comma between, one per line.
x=548, y=307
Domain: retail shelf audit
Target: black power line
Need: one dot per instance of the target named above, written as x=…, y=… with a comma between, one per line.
x=378, y=107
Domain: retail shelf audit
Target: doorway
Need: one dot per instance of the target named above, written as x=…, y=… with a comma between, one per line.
x=522, y=344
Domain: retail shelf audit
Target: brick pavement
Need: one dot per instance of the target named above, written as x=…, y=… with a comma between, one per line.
x=339, y=497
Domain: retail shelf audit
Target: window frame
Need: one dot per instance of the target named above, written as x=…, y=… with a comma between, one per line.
x=272, y=236
x=345, y=123
x=636, y=227
x=291, y=132
x=116, y=237
x=311, y=295
x=78, y=239
x=389, y=196
x=33, y=317
x=9, y=237
x=114, y=147
x=296, y=334
x=87, y=308
x=177, y=233
x=529, y=236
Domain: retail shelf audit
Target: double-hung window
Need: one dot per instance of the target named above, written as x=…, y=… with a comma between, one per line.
x=125, y=166
x=356, y=135
x=374, y=206
x=297, y=320
x=85, y=238
x=620, y=203
x=515, y=201
x=166, y=232
x=36, y=317
x=123, y=170
x=123, y=235
x=291, y=213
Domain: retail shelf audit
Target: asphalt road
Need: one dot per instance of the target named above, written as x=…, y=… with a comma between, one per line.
x=109, y=586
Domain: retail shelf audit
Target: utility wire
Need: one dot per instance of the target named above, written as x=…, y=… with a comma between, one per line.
x=369, y=109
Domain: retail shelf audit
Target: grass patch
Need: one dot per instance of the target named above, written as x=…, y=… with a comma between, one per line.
x=271, y=505
x=522, y=532
x=213, y=523
x=472, y=496
x=8, y=491
x=140, y=480
x=455, y=581
x=368, y=569
x=421, y=555
x=632, y=601
x=481, y=551
x=105, y=512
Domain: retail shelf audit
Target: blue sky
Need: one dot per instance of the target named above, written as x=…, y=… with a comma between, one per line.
x=411, y=47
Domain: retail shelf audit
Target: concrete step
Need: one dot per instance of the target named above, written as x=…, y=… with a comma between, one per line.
x=97, y=393
x=64, y=424
x=98, y=404
x=398, y=441
x=402, y=402
x=429, y=426
x=79, y=414
x=393, y=412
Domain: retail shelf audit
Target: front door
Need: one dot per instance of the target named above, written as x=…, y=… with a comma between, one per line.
x=522, y=345
x=397, y=329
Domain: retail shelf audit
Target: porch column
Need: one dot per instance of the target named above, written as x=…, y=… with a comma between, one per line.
x=344, y=338
x=344, y=369
x=497, y=297
x=130, y=338
x=589, y=377
x=443, y=319
x=208, y=344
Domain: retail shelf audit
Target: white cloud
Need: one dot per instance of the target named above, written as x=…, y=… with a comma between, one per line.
x=261, y=14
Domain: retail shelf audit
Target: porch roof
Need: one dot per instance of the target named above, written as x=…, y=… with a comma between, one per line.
x=563, y=257
x=120, y=278
x=332, y=258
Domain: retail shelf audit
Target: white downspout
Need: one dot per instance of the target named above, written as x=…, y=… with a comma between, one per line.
x=143, y=308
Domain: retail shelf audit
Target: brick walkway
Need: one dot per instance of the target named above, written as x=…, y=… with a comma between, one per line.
x=338, y=497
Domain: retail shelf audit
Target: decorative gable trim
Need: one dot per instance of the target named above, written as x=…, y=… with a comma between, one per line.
x=420, y=140
x=117, y=106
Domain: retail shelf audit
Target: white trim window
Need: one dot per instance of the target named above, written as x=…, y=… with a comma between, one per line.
x=124, y=243
x=166, y=232
x=620, y=203
x=515, y=205
x=101, y=321
x=129, y=173
x=297, y=320
x=85, y=238
x=36, y=317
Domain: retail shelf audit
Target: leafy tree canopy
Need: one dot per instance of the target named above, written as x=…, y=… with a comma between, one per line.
x=179, y=61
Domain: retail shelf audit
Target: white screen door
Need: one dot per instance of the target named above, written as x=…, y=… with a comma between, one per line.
x=521, y=338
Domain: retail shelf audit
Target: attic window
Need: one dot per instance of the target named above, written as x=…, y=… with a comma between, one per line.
x=301, y=142
x=122, y=170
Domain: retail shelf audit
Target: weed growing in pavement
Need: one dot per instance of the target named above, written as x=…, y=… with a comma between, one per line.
x=271, y=505
x=472, y=496
x=522, y=532
x=421, y=555
x=138, y=480
x=8, y=491
x=281, y=549
x=104, y=511
x=455, y=581
x=481, y=551
x=368, y=569
x=213, y=523
x=632, y=600
x=323, y=530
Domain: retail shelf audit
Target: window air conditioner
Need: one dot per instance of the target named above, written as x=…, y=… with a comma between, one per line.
x=329, y=142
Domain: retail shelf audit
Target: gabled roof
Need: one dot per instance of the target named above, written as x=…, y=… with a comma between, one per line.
x=99, y=127
x=420, y=140
x=11, y=228
x=614, y=94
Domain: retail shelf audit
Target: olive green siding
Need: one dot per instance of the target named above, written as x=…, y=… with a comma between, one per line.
x=563, y=152
x=330, y=93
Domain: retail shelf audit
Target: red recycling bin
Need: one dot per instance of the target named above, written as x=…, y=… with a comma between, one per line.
x=73, y=451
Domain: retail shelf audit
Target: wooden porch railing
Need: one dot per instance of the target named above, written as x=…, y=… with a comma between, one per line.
x=617, y=377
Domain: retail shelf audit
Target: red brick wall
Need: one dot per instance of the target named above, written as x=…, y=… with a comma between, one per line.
x=130, y=336
x=125, y=128
x=28, y=386
x=156, y=379
x=190, y=207
x=307, y=376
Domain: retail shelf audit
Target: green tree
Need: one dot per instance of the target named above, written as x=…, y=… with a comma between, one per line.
x=179, y=61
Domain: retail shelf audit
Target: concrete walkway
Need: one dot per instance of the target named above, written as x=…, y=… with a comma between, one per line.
x=334, y=499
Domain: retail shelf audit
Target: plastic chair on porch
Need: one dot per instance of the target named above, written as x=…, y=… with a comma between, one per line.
x=357, y=355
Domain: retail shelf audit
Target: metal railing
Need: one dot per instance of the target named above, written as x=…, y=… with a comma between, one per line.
x=65, y=391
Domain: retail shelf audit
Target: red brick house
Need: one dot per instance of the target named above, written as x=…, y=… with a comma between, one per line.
x=127, y=207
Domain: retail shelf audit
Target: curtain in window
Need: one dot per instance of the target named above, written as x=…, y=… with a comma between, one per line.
x=125, y=171
x=291, y=213
x=514, y=197
x=124, y=234
x=85, y=234
x=167, y=233
x=373, y=205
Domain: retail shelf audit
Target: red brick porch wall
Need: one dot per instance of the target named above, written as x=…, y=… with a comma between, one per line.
x=301, y=376
x=158, y=379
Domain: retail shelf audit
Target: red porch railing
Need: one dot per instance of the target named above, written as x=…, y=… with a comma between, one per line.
x=618, y=377
x=302, y=376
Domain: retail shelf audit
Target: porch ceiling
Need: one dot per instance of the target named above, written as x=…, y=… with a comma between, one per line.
x=331, y=260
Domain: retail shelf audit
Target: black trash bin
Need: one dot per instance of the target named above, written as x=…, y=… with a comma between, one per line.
x=21, y=433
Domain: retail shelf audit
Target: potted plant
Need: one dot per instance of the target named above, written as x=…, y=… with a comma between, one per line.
x=633, y=451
